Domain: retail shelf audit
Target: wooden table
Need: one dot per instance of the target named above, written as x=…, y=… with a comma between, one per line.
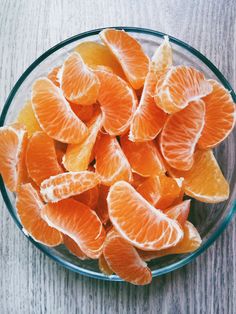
x=32, y=283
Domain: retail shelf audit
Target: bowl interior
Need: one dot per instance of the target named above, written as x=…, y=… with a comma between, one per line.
x=209, y=219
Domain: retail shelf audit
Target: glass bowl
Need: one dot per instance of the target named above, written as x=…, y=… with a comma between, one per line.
x=209, y=219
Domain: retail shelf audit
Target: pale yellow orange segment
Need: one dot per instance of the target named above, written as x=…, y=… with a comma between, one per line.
x=178, y=86
x=138, y=222
x=204, y=181
x=163, y=56
x=77, y=157
x=129, y=53
x=29, y=207
x=78, y=83
x=79, y=222
x=54, y=114
x=190, y=243
x=13, y=142
x=67, y=184
x=27, y=118
x=180, y=135
x=95, y=55
x=123, y=259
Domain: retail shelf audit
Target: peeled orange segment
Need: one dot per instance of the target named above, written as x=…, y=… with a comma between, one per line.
x=148, y=118
x=144, y=158
x=67, y=184
x=79, y=222
x=89, y=197
x=95, y=54
x=190, y=243
x=181, y=134
x=27, y=118
x=138, y=222
x=163, y=56
x=13, y=141
x=220, y=116
x=84, y=113
x=29, y=208
x=204, y=181
x=78, y=83
x=124, y=260
x=179, y=86
x=117, y=101
x=41, y=158
x=160, y=191
x=101, y=208
x=53, y=75
x=77, y=157
x=111, y=163
x=129, y=53
x=137, y=180
x=103, y=266
x=73, y=247
x=179, y=212
x=54, y=114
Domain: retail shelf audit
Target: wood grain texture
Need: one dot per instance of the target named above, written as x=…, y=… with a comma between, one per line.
x=32, y=283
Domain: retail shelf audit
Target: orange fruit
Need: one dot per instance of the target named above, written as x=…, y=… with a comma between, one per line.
x=101, y=208
x=179, y=212
x=163, y=57
x=60, y=152
x=95, y=54
x=77, y=157
x=137, y=180
x=29, y=207
x=27, y=118
x=220, y=116
x=204, y=181
x=111, y=163
x=103, y=266
x=148, y=118
x=123, y=259
x=41, y=158
x=180, y=135
x=190, y=243
x=53, y=111
x=89, y=198
x=129, y=53
x=115, y=96
x=67, y=184
x=13, y=141
x=84, y=113
x=79, y=222
x=53, y=75
x=73, y=247
x=138, y=222
x=160, y=191
x=144, y=158
x=78, y=83
x=178, y=86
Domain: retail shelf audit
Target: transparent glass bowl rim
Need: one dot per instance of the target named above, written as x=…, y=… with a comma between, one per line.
x=16, y=87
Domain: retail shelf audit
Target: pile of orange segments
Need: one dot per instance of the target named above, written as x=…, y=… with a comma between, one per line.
x=104, y=156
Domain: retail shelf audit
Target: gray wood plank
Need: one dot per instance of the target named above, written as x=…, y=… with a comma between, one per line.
x=32, y=283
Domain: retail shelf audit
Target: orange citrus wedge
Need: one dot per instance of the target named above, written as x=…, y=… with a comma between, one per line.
x=79, y=222
x=29, y=207
x=27, y=118
x=144, y=158
x=138, y=222
x=178, y=86
x=179, y=212
x=123, y=259
x=129, y=53
x=73, y=247
x=13, y=141
x=111, y=163
x=103, y=266
x=54, y=74
x=89, y=198
x=115, y=96
x=67, y=184
x=180, y=135
x=54, y=114
x=220, y=116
